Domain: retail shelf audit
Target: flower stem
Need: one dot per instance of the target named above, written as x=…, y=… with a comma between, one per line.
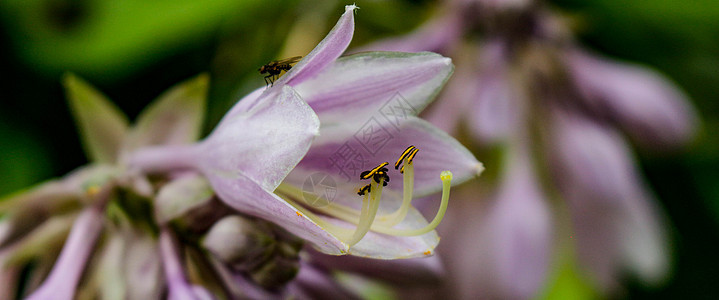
x=163, y=159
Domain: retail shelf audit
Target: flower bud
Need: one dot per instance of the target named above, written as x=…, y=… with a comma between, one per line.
x=239, y=242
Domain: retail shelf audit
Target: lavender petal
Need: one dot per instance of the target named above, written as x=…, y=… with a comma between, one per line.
x=494, y=109
x=366, y=83
x=614, y=219
x=403, y=272
x=650, y=108
x=244, y=195
x=65, y=275
x=326, y=52
x=520, y=230
x=315, y=283
x=179, y=287
x=264, y=143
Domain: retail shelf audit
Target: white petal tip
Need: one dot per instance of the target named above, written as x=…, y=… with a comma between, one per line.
x=447, y=61
x=478, y=169
x=352, y=7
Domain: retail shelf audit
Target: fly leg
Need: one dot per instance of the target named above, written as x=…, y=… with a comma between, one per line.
x=270, y=79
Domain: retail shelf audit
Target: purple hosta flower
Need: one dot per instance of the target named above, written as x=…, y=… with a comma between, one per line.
x=345, y=93
x=527, y=85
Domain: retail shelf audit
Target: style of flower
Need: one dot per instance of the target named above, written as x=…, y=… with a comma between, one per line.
x=560, y=112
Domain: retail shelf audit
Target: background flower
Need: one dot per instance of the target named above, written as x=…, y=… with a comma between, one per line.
x=529, y=91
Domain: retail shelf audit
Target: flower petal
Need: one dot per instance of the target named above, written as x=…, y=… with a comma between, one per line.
x=520, y=228
x=27, y=209
x=645, y=245
x=645, y=103
x=264, y=143
x=495, y=107
x=319, y=284
x=614, y=219
x=376, y=143
x=382, y=246
x=243, y=105
x=238, y=285
x=326, y=52
x=413, y=271
x=174, y=118
x=104, y=274
x=245, y=195
x=178, y=286
x=391, y=84
x=591, y=158
x=102, y=125
x=595, y=226
x=142, y=269
x=44, y=241
x=65, y=275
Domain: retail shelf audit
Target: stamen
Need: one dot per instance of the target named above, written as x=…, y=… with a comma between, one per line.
x=409, y=154
x=372, y=192
x=365, y=189
x=381, y=175
x=403, y=155
x=368, y=174
x=398, y=216
x=368, y=214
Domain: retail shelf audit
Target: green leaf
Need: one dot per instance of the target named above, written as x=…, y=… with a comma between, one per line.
x=176, y=117
x=102, y=125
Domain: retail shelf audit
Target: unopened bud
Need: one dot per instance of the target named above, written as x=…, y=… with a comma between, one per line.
x=240, y=242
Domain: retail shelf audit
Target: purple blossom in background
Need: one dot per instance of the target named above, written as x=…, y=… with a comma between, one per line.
x=561, y=116
x=159, y=214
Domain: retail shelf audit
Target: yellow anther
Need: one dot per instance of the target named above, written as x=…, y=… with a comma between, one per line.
x=368, y=174
x=411, y=156
x=363, y=190
x=407, y=154
x=403, y=155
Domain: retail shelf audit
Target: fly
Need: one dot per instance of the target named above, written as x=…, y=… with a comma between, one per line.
x=275, y=67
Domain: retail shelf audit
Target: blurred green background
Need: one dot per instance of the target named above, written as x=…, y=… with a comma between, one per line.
x=132, y=50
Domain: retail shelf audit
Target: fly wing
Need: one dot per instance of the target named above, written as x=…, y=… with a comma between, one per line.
x=290, y=60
